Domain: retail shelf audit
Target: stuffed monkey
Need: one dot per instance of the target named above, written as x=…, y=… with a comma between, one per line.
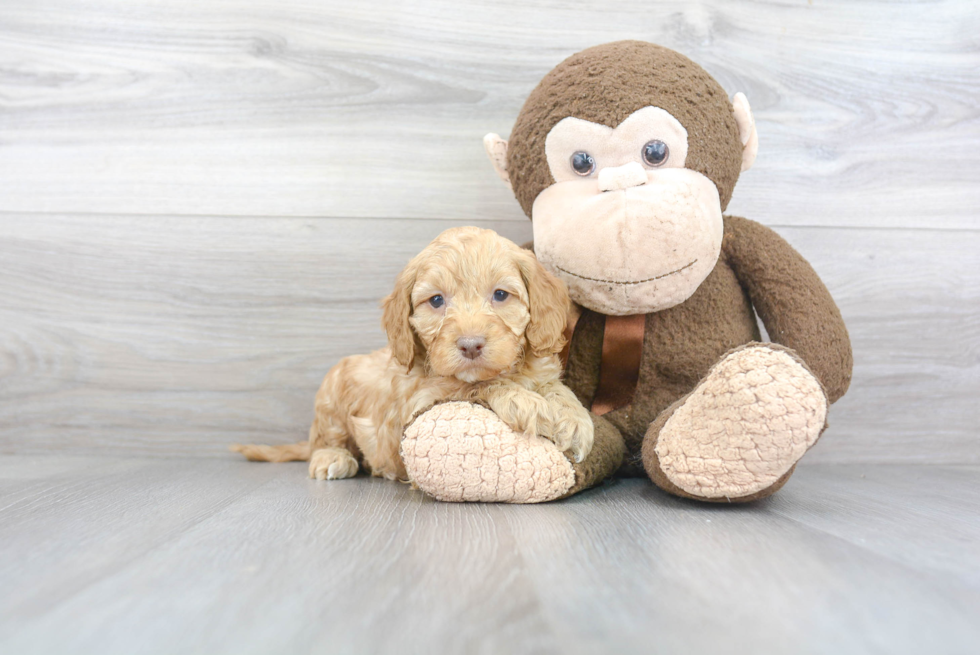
x=625, y=157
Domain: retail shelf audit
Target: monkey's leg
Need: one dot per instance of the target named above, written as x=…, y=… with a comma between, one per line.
x=602, y=461
x=738, y=435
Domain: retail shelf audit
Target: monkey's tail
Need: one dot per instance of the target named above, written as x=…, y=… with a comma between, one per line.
x=293, y=452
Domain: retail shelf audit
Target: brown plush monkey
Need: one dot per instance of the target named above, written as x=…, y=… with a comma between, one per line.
x=625, y=157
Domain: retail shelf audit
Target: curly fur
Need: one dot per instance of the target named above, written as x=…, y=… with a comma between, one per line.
x=366, y=401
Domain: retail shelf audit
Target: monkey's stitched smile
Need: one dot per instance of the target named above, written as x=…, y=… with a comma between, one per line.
x=649, y=279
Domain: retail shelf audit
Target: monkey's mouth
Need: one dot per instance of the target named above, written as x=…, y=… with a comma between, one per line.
x=629, y=282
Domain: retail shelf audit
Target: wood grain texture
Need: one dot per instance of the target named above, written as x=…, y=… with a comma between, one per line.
x=200, y=206
x=97, y=522
x=185, y=333
x=867, y=111
x=201, y=556
x=182, y=334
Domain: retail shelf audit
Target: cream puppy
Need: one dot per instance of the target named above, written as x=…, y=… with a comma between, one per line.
x=472, y=317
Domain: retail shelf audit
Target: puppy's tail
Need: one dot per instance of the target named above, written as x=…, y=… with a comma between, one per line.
x=293, y=452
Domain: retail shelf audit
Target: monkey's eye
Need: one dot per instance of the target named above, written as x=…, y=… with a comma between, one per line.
x=500, y=295
x=582, y=163
x=437, y=301
x=655, y=153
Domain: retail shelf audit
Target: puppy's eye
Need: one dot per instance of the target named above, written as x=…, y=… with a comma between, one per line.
x=582, y=163
x=655, y=153
x=500, y=295
x=437, y=301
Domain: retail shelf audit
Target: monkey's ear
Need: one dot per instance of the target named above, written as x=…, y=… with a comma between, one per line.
x=746, y=130
x=497, y=152
x=396, y=310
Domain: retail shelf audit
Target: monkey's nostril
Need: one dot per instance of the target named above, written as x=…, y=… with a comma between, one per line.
x=471, y=347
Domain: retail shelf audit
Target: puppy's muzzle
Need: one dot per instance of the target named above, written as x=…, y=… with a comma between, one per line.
x=471, y=347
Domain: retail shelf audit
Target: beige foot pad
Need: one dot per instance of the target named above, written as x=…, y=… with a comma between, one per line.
x=744, y=426
x=459, y=451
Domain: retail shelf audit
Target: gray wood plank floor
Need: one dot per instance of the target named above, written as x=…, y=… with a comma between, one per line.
x=182, y=334
x=201, y=203
x=867, y=110
x=103, y=555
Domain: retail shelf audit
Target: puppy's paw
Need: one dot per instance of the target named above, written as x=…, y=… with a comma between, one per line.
x=524, y=411
x=573, y=432
x=332, y=464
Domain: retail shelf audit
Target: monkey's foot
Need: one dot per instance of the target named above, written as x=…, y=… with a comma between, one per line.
x=459, y=451
x=739, y=434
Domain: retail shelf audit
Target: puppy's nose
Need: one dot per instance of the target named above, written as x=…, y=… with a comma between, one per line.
x=471, y=347
x=622, y=177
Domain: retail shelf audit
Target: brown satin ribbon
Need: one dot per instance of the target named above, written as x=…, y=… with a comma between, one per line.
x=622, y=344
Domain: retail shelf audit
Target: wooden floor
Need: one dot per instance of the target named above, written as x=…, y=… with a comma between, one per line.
x=129, y=555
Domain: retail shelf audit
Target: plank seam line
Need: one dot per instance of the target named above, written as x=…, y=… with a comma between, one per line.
x=298, y=217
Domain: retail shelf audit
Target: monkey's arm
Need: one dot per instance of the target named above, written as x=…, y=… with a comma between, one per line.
x=791, y=300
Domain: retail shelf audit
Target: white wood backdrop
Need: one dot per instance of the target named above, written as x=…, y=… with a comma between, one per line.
x=201, y=202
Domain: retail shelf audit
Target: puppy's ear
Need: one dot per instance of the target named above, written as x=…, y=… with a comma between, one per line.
x=396, y=310
x=548, y=304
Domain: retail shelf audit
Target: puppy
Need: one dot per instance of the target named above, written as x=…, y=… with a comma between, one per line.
x=472, y=317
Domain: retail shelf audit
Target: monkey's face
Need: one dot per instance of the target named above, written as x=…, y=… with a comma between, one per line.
x=627, y=227
x=626, y=208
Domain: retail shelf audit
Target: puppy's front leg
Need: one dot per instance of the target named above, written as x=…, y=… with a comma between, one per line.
x=521, y=409
x=332, y=463
x=571, y=428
